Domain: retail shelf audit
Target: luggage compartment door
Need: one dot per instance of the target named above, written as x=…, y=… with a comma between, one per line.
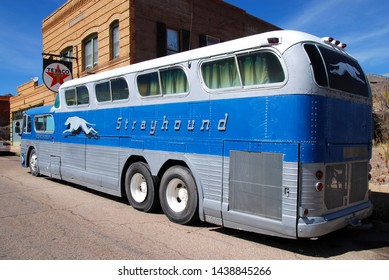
x=261, y=194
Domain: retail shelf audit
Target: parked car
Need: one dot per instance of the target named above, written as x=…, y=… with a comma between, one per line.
x=5, y=146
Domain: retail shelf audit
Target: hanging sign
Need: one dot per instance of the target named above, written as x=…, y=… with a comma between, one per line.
x=55, y=73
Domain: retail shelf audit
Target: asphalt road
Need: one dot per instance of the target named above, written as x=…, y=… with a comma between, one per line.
x=41, y=218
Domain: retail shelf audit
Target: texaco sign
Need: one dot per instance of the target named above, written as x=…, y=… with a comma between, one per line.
x=55, y=73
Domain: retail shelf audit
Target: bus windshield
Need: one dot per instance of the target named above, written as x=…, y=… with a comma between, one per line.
x=336, y=70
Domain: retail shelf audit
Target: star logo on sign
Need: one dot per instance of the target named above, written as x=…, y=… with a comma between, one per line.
x=57, y=76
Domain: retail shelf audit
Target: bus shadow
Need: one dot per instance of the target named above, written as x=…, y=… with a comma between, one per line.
x=328, y=246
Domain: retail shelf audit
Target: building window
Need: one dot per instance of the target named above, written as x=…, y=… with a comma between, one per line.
x=172, y=40
x=115, y=39
x=66, y=54
x=206, y=40
x=212, y=40
x=90, y=52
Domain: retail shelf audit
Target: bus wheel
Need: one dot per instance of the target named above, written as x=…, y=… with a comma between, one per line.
x=33, y=163
x=140, y=187
x=178, y=195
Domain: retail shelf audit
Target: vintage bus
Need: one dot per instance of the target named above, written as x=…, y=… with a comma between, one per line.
x=270, y=133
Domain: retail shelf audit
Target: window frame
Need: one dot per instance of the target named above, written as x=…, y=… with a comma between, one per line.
x=93, y=40
x=68, y=52
x=321, y=64
x=114, y=40
x=76, y=97
x=45, y=130
x=242, y=86
x=177, y=48
x=112, y=100
x=26, y=128
x=160, y=85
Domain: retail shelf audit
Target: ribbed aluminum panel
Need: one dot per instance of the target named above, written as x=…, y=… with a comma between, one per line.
x=310, y=198
x=290, y=185
x=209, y=170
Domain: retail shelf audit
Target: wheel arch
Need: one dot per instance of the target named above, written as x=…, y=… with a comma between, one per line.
x=192, y=169
x=132, y=159
x=30, y=148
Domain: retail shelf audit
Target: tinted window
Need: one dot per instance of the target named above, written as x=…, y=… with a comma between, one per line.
x=103, y=92
x=77, y=96
x=319, y=70
x=148, y=84
x=336, y=70
x=344, y=73
x=119, y=89
x=70, y=97
x=82, y=95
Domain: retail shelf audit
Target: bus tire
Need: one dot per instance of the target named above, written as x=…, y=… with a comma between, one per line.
x=33, y=163
x=178, y=195
x=140, y=187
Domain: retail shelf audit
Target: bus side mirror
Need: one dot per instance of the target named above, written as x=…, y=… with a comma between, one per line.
x=17, y=128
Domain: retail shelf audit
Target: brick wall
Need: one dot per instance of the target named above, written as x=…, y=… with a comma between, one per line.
x=77, y=19
x=202, y=17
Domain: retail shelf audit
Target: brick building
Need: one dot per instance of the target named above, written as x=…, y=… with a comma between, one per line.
x=103, y=35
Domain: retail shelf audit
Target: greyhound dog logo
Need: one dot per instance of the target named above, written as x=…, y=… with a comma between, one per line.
x=341, y=68
x=75, y=125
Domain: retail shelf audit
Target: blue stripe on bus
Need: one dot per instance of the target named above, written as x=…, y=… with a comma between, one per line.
x=279, y=122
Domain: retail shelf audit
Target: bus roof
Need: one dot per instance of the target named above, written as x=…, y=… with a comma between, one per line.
x=39, y=110
x=282, y=40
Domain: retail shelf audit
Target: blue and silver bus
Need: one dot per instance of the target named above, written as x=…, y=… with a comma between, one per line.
x=270, y=133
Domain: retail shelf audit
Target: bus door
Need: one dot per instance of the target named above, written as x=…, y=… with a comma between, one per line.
x=261, y=192
x=49, y=160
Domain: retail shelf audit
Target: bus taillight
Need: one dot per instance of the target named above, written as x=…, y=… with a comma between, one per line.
x=273, y=40
x=319, y=186
x=319, y=174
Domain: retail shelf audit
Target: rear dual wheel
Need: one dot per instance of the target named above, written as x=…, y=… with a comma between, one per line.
x=178, y=195
x=140, y=186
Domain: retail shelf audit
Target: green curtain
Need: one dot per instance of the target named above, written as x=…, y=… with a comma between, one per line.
x=221, y=74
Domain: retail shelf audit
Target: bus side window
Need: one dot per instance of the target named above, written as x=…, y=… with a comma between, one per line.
x=49, y=123
x=103, y=92
x=26, y=124
x=44, y=123
x=260, y=68
x=119, y=89
x=57, y=103
x=221, y=73
x=70, y=97
x=148, y=84
x=174, y=81
x=82, y=95
x=317, y=63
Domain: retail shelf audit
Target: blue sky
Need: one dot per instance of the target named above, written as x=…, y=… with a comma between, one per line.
x=362, y=24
